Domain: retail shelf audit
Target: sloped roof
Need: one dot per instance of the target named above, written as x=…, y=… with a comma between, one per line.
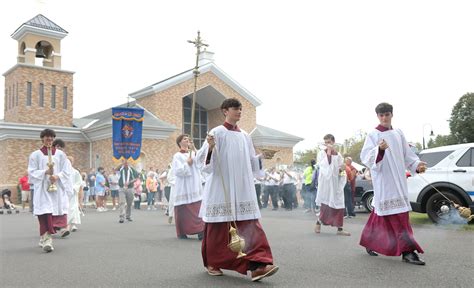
x=104, y=117
x=40, y=24
x=188, y=74
x=265, y=136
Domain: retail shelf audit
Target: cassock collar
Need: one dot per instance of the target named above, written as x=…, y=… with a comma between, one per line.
x=231, y=127
x=383, y=128
x=44, y=149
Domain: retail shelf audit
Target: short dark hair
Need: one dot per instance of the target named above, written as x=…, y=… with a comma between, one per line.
x=231, y=102
x=180, y=138
x=100, y=168
x=330, y=137
x=59, y=142
x=383, y=108
x=47, y=132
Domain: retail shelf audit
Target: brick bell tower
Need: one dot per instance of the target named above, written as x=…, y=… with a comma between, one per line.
x=37, y=90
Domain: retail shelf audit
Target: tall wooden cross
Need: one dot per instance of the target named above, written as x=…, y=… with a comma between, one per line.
x=198, y=44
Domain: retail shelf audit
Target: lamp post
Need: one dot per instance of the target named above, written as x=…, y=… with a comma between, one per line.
x=431, y=133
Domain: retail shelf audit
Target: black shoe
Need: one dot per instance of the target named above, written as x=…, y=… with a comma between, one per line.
x=200, y=235
x=182, y=237
x=371, y=252
x=129, y=219
x=121, y=221
x=412, y=258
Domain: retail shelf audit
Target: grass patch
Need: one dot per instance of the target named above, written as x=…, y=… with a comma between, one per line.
x=420, y=219
x=423, y=219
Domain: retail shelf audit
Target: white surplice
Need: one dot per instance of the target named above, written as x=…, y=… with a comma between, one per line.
x=330, y=181
x=388, y=175
x=232, y=164
x=187, y=187
x=74, y=215
x=46, y=202
x=171, y=181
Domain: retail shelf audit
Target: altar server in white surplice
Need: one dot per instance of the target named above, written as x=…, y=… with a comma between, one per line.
x=229, y=194
x=74, y=215
x=331, y=181
x=187, y=190
x=50, y=207
x=388, y=155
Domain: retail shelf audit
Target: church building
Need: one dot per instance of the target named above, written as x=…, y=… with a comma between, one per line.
x=38, y=97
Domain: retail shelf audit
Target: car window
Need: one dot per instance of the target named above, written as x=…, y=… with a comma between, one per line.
x=467, y=160
x=434, y=158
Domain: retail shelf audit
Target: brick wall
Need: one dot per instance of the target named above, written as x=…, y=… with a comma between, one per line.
x=15, y=155
x=168, y=106
x=285, y=155
x=16, y=89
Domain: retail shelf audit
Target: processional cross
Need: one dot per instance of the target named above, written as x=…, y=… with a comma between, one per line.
x=198, y=44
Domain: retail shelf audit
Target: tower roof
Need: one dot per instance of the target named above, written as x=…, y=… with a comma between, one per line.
x=39, y=24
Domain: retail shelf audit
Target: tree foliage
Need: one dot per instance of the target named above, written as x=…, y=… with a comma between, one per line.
x=303, y=158
x=462, y=119
x=442, y=140
x=353, y=147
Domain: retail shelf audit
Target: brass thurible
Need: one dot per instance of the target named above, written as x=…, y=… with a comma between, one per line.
x=237, y=243
x=52, y=187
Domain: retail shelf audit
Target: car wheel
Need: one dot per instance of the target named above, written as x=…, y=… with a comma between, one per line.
x=367, y=201
x=436, y=201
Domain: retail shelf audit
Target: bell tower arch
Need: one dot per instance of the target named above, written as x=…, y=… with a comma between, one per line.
x=37, y=90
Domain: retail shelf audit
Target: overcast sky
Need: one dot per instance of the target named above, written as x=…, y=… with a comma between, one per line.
x=318, y=66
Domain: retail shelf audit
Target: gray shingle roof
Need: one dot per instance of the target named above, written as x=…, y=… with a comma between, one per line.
x=105, y=117
x=263, y=131
x=40, y=21
x=81, y=122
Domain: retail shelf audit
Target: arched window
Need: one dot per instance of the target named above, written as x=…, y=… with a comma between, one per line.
x=200, y=121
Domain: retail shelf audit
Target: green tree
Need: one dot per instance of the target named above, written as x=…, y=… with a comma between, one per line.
x=462, y=119
x=354, y=145
x=303, y=158
x=442, y=140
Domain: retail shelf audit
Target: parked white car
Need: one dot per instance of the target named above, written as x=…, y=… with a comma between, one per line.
x=451, y=171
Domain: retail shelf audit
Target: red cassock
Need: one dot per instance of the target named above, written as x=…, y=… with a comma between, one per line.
x=48, y=222
x=216, y=254
x=389, y=235
x=186, y=218
x=331, y=216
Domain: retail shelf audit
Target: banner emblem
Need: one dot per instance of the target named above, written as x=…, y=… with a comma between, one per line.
x=127, y=133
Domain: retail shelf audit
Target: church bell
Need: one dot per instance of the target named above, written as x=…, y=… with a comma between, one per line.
x=40, y=52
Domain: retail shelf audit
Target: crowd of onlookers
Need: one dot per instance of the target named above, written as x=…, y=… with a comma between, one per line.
x=101, y=189
x=282, y=187
x=101, y=186
x=287, y=187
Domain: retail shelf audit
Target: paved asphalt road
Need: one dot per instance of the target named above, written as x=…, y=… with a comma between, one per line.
x=146, y=253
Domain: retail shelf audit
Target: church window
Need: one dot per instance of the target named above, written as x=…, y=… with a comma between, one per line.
x=41, y=95
x=9, y=98
x=17, y=94
x=28, y=93
x=13, y=96
x=53, y=96
x=200, y=121
x=64, y=97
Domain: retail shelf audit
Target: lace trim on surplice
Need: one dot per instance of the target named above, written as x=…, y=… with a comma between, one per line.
x=225, y=209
